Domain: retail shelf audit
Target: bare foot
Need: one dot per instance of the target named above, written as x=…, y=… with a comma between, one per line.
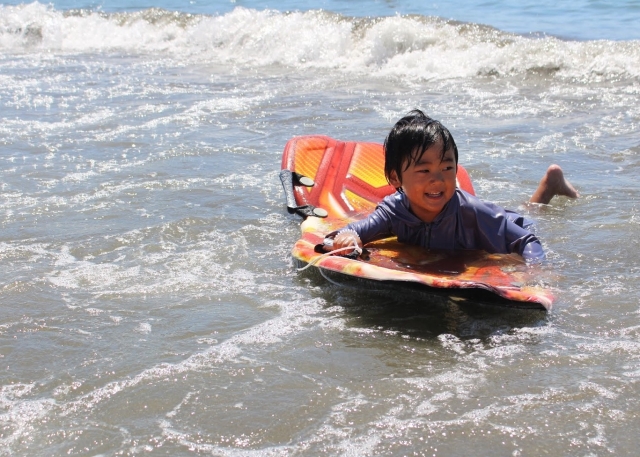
x=553, y=183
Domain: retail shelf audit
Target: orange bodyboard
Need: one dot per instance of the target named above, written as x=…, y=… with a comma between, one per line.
x=332, y=183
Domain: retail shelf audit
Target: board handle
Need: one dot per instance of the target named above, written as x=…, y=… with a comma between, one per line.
x=288, y=178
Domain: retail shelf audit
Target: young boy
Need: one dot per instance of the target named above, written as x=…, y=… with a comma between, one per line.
x=428, y=209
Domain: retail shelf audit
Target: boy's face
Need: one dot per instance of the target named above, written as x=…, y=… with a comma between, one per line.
x=428, y=183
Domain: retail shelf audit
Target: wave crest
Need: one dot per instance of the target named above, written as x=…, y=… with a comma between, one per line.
x=424, y=48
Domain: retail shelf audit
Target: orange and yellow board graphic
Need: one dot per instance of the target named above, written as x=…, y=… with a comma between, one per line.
x=348, y=182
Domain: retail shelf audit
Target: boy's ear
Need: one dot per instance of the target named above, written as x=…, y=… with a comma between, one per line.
x=393, y=179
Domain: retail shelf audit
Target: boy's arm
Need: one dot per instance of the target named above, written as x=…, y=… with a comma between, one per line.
x=377, y=225
x=498, y=232
x=532, y=251
x=373, y=227
x=521, y=241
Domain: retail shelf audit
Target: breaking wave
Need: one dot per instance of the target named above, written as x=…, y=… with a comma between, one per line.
x=412, y=46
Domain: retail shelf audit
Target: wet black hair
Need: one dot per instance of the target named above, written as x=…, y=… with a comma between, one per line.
x=410, y=137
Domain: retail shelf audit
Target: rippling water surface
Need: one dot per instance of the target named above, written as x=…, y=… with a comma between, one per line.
x=149, y=302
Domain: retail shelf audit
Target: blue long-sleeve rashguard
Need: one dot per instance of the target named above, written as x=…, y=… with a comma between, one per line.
x=466, y=222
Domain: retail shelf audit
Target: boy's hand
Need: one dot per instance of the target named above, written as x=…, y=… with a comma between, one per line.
x=347, y=239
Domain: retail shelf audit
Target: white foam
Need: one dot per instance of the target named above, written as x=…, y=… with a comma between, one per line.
x=21, y=415
x=144, y=328
x=408, y=47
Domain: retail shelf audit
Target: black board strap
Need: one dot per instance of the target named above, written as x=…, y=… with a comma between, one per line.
x=288, y=179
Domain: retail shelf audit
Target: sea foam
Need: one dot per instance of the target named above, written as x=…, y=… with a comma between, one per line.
x=414, y=47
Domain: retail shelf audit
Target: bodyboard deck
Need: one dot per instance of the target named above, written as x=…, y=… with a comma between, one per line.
x=332, y=183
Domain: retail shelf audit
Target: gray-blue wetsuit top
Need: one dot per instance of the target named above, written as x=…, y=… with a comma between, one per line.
x=466, y=222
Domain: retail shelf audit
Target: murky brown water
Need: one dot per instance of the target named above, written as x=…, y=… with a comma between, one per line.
x=150, y=305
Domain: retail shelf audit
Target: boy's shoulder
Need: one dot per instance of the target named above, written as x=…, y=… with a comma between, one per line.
x=396, y=208
x=475, y=204
x=395, y=199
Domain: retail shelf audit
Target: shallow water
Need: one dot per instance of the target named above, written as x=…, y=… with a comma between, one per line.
x=150, y=304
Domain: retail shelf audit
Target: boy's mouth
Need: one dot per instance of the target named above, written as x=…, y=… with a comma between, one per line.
x=434, y=194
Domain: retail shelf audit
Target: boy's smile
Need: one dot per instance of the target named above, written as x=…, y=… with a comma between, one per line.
x=429, y=183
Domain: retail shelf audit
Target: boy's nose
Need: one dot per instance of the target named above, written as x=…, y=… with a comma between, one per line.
x=437, y=176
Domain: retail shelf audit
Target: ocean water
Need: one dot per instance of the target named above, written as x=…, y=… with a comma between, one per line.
x=149, y=304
